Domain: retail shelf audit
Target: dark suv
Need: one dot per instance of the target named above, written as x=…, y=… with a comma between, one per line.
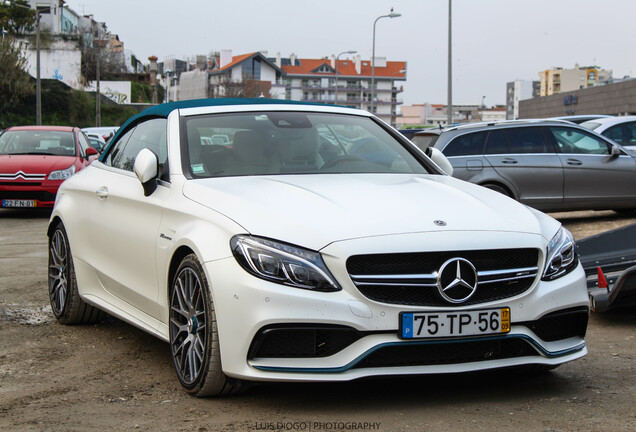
x=548, y=165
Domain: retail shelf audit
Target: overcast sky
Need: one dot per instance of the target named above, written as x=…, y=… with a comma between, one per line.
x=494, y=41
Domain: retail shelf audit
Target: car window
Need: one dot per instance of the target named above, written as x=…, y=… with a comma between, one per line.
x=576, y=141
x=150, y=134
x=526, y=140
x=40, y=142
x=83, y=142
x=465, y=145
x=624, y=134
x=292, y=143
x=496, y=143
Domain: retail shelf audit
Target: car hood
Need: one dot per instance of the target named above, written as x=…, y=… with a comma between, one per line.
x=316, y=210
x=34, y=164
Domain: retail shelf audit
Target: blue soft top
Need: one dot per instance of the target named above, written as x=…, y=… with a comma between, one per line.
x=164, y=110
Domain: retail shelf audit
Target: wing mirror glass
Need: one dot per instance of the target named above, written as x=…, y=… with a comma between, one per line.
x=146, y=169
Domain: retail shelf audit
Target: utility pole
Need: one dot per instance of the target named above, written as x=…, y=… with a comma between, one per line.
x=98, y=112
x=449, y=114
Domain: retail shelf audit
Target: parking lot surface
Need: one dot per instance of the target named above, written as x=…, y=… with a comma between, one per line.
x=112, y=376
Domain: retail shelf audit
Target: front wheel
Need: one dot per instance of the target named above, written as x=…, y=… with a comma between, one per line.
x=66, y=303
x=194, y=338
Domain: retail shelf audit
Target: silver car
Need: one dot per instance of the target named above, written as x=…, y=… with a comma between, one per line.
x=548, y=165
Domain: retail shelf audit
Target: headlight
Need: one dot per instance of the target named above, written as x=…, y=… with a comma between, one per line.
x=62, y=174
x=561, y=255
x=283, y=263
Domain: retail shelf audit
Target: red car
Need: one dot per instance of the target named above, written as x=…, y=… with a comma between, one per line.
x=35, y=160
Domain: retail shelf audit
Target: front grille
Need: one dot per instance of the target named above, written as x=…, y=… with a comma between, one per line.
x=412, y=354
x=560, y=325
x=27, y=195
x=300, y=341
x=411, y=278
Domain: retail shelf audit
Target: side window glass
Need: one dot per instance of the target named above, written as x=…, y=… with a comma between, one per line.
x=150, y=134
x=113, y=157
x=466, y=145
x=83, y=142
x=575, y=141
x=526, y=140
x=624, y=134
x=496, y=143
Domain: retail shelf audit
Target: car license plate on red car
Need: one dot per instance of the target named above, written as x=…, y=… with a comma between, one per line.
x=419, y=325
x=18, y=203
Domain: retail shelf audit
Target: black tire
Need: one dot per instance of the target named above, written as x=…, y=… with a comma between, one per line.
x=66, y=303
x=498, y=188
x=194, y=338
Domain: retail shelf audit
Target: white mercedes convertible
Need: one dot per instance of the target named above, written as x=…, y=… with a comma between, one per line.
x=269, y=240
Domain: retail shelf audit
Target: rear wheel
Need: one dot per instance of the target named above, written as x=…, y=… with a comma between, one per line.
x=194, y=338
x=498, y=188
x=66, y=303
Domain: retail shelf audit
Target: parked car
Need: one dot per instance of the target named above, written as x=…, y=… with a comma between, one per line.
x=96, y=141
x=106, y=132
x=621, y=130
x=35, y=160
x=548, y=165
x=426, y=138
x=581, y=118
x=286, y=258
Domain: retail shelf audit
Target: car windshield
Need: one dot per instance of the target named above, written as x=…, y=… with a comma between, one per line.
x=263, y=143
x=37, y=143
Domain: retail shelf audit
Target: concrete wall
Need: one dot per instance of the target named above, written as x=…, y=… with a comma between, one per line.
x=612, y=99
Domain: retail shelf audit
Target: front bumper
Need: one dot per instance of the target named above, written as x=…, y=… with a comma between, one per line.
x=41, y=195
x=245, y=306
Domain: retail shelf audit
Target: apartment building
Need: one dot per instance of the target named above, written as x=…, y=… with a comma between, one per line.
x=345, y=82
x=558, y=80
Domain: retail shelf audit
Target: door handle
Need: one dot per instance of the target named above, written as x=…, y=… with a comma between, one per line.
x=509, y=161
x=574, y=162
x=102, y=192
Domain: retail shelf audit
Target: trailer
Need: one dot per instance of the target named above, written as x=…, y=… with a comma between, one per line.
x=609, y=260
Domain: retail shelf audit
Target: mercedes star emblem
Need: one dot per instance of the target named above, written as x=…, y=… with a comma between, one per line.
x=457, y=280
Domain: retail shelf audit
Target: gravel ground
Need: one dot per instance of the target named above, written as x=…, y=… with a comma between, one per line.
x=112, y=376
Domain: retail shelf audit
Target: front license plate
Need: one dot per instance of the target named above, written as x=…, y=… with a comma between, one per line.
x=418, y=325
x=18, y=203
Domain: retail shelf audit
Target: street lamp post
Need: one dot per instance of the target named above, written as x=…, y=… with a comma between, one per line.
x=38, y=87
x=449, y=114
x=337, y=57
x=390, y=15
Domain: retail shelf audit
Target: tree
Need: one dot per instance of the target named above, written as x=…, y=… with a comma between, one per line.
x=15, y=83
x=17, y=20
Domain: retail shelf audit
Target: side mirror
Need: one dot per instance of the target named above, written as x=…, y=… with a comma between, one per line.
x=440, y=160
x=146, y=169
x=616, y=152
x=91, y=152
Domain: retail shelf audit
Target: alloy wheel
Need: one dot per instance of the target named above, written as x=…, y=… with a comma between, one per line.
x=58, y=271
x=188, y=322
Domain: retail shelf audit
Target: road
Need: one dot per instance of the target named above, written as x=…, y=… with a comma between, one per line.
x=112, y=376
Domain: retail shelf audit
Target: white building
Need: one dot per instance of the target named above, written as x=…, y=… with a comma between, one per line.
x=516, y=91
